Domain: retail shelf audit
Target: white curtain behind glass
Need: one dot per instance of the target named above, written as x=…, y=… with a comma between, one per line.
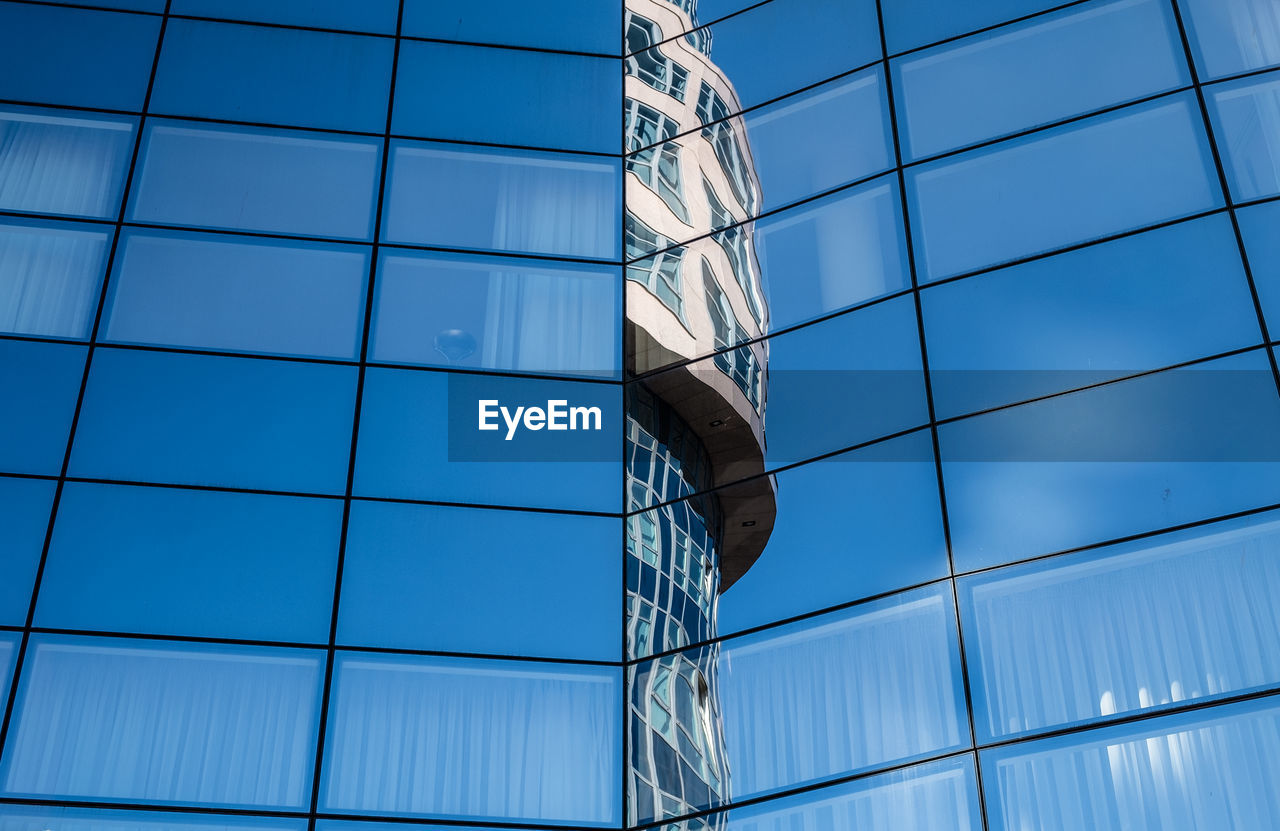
x=61, y=165
x=549, y=322
x=555, y=206
x=47, y=280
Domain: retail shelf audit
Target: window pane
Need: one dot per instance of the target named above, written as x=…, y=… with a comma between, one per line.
x=1246, y=119
x=1098, y=465
x=471, y=738
x=8, y=652
x=1033, y=73
x=531, y=99
x=247, y=178
x=910, y=24
x=1258, y=226
x=503, y=200
x=1214, y=768
x=123, y=5
x=576, y=26
x=485, y=581
x=206, y=420
x=494, y=313
x=377, y=16
x=1231, y=36
x=63, y=164
x=1138, y=303
x=238, y=294
x=273, y=75
x=1157, y=623
x=119, y=720
x=49, y=276
x=76, y=57
x=24, y=514
x=188, y=562
x=1109, y=174
x=41, y=381
x=41, y=818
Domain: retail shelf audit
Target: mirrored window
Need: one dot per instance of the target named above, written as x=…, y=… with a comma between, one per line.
x=493, y=740
x=148, y=721
x=42, y=818
x=1258, y=227
x=496, y=313
x=502, y=200
x=156, y=6
x=1034, y=73
x=56, y=162
x=8, y=653
x=189, y=562
x=575, y=26
x=237, y=294
x=210, y=420
x=1113, y=173
x=256, y=179
x=24, y=514
x=1230, y=36
x=1246, y=120
x=910, y=24
x=49, y=277
x=378, y=16
x=40, y=383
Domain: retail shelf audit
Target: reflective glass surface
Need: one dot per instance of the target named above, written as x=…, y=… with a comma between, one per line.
x=49, y=276
x=1195, y=609
x=206, y=420
x=1206, y=769
x=188, y=562
x=492, y=740
x=92, y=715
x=508, y=96
x=1138, y=303
x=1113, y=173
x=910, y=24
x=122, y=5
x=1230, y=36
x=24, y=514
x=1036, y=72
x=1246, y=120
x=8, y=653
x=237, y=294
x=273, y=75
x=496, y=313
x=58, y=162
x=79, y=58
x=255, y=179
x=576, y=25
x=484, y=581
x=42, y=818
x=45, y=377
x=378, y=16
x=1258, y=227
x=502, y=200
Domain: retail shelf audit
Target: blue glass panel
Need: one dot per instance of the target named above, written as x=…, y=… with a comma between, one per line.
x=8, y=652
x=1138, y=303
x=1258, y=227
x=254, y=179
x=574, y=25
x=407, y=450
x=45, y=378
x=42, y=818
x=868, y=522
x=139, y=721
x=49, y=275
x=496, y=313
x=76, y=57
x=63, y=163
x=470, y=738
x=206, y=420
x=508, y=96
x=1157, y=623
x=24, y=514
x=1113, y=173
x=378, y=16
x=1214, y=768
x=1246, y=120
x=273, y=75
x=1032, y=73
x=156, y=6
x=1230, y=36
x=910, y=24
x=503, y=200
x=194, y=563
x=1098, y=465
x=238, y=293
x=486, y=581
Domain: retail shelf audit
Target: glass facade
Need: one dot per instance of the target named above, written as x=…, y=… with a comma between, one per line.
x=922, y=458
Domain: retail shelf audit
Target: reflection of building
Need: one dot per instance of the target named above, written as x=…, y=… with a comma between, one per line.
x=689, y=175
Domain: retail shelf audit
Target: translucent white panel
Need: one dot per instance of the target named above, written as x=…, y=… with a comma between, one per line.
x=63, y=164
x=117, y=720
x=474, y=738
x=1112, y=173
x=49, y=277
x=1084, y=58
x=1246, y=120
x=1215, y=769
x=1231, y=36
x=1155, y=623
